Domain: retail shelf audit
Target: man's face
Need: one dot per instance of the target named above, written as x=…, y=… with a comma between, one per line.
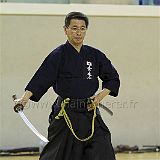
x=76, y=31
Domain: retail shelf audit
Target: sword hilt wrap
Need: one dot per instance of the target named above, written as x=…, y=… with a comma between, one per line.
x=17, y=107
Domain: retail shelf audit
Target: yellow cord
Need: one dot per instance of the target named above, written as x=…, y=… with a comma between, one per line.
x=63, y=113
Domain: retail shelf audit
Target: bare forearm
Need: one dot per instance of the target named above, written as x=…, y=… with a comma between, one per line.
x=25, y=97
x=98, y=98
x=103, y=93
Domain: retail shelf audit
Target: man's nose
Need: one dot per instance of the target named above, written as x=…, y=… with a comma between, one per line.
x=78, y=32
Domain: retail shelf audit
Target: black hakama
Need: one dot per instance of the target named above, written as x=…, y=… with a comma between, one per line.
x=64, y=146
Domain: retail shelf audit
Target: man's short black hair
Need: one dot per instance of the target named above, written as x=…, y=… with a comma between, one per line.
x=76, y=15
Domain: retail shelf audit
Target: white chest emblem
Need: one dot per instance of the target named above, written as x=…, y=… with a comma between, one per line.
x=89, y=68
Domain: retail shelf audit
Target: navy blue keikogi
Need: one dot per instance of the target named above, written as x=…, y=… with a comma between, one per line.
x=75, y=75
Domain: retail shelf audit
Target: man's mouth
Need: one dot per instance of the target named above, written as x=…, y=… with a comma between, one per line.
x=78, y=38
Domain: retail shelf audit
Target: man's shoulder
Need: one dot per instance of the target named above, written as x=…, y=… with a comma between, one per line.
x=57, y=52
x=93, y=50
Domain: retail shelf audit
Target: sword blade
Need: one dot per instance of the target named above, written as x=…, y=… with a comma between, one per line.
x=33, y=129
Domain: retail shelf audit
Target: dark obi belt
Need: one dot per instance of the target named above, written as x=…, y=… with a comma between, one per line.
x=75, y=104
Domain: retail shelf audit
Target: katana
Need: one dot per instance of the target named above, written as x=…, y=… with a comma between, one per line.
x=28, y=123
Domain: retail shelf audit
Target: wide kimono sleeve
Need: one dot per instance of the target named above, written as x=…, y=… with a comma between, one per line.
x=44, y=77
x=109, y=76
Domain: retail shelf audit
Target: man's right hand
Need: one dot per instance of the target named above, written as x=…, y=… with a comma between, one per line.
x=20, y=103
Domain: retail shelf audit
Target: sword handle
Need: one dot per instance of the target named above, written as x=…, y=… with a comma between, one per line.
x=18, y=107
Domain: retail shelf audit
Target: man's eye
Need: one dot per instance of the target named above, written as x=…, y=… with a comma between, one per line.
x=74, y=29
x=83, y=29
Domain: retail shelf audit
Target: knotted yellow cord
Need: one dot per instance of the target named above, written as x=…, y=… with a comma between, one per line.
x=69, y=124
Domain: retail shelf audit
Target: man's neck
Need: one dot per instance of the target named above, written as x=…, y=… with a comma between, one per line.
x=77, y=47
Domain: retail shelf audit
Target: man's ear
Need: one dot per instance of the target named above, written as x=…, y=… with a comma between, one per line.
x=65, y=29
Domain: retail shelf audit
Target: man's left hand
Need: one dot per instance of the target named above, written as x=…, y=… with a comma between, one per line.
x=98, y=98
